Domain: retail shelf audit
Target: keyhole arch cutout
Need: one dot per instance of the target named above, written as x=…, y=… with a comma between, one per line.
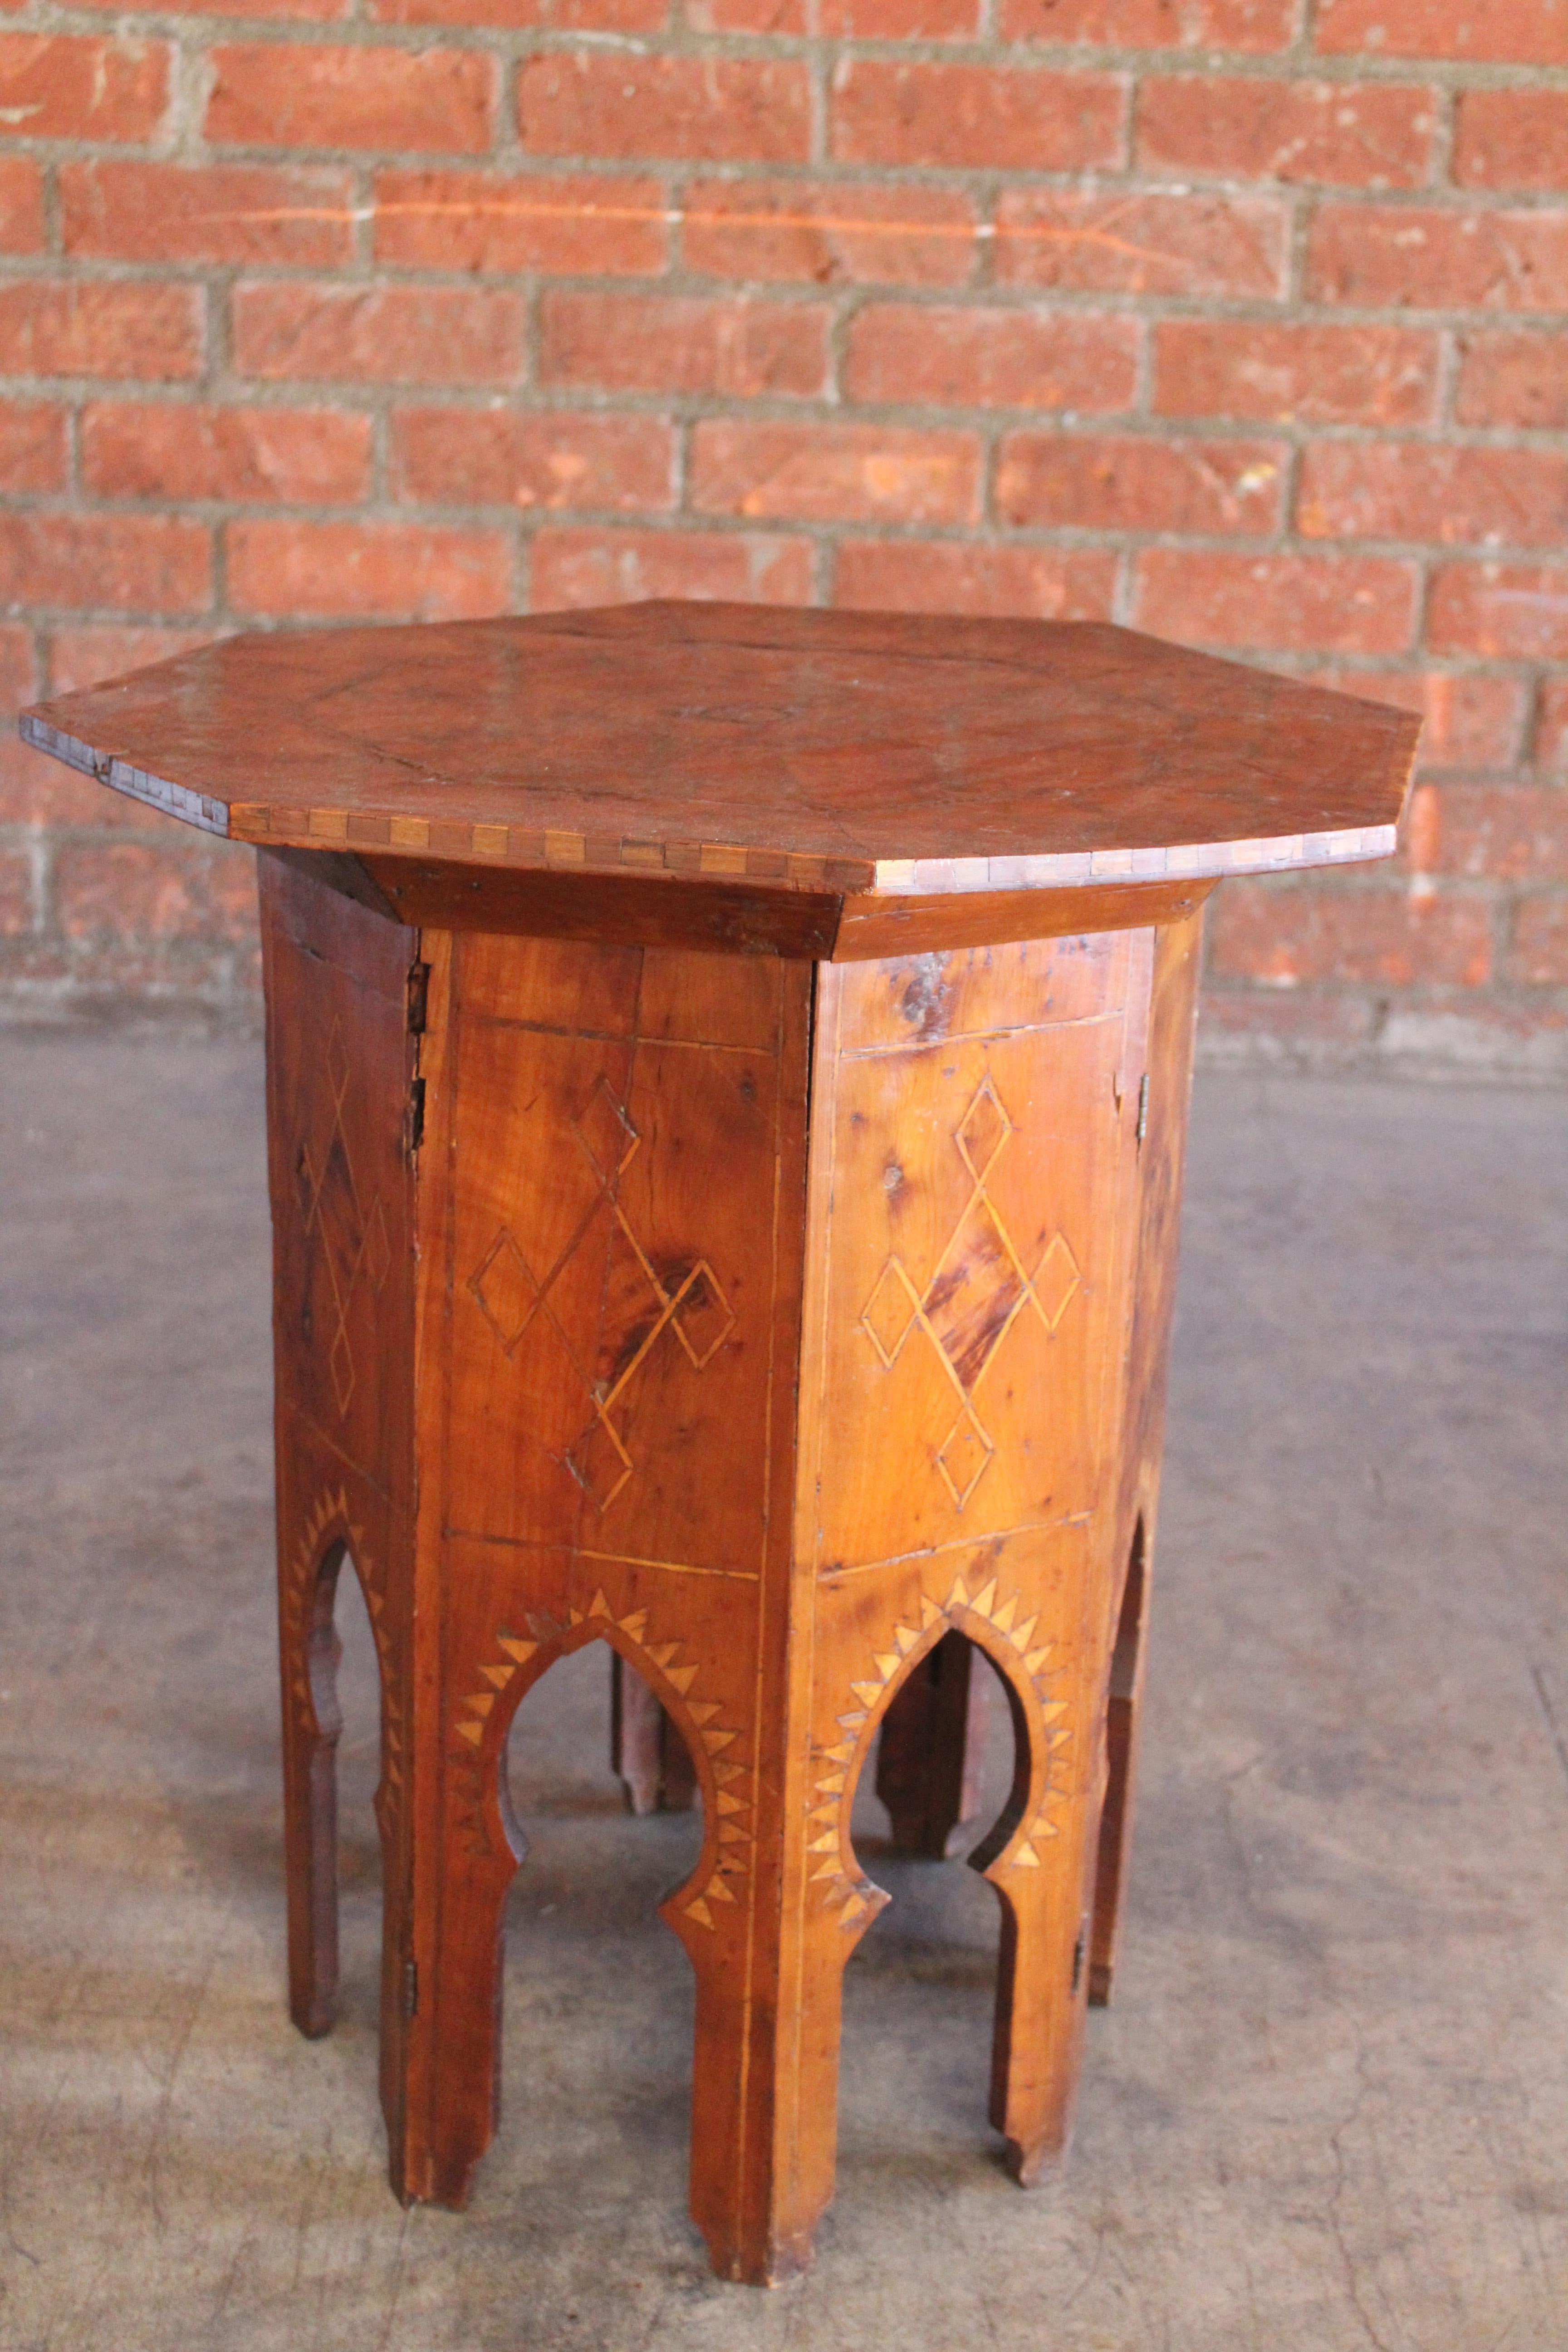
x=313, y=1650
x=557, y=1778
x=1023, y=1664
x=334, y=1641
x=955, y=1941
x=359, y=1697
x=721, y=1763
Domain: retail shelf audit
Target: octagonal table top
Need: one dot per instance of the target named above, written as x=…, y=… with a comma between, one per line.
x=837, y=751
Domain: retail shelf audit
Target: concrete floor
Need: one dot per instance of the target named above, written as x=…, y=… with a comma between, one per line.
x=1330, y=2108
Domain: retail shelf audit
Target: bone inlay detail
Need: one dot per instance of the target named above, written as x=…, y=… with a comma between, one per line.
x=977, y=1290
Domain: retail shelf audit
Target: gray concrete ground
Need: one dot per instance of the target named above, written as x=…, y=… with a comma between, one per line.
x=1330, y=2108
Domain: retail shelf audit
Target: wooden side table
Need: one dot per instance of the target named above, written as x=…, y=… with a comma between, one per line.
x=726, y=1080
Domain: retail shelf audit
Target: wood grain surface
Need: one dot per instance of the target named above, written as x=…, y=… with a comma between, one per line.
x=1162, y=1155
x=774, y=1329
x=341, y=1065
x=824, y=752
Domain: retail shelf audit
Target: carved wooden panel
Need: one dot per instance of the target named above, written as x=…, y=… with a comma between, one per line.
x=620, y=1135
x=340, y=1069
x=339, y=1066
x=970, y=1251
x=612, y=1304
x=971, y=1263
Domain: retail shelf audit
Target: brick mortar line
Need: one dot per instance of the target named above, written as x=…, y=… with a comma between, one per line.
x=1446, y=385
x=819, y=134
x=1410, y=662
x=1138, y=177
x=1443, y=154
x=993, y=532
x=532, y=331
x=981, y=536
x=373, y=399
x=1549, y=556
x=1222, y=306
x=1296, y=254
x=224, y=389
x=518, y=534
x=1069, y=60
x=1219, y=308
x=1282, y=659
x=1146, y=176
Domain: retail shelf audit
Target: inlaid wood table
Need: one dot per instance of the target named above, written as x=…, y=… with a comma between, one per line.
x=727, y=1074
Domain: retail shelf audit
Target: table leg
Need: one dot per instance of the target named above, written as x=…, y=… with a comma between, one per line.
x=932, y=1749
x=1123, y=1703
x=310, y=1554
x=648, y=1754
x=1038, y=2042
x=1162, y=1118
x=340, y=1069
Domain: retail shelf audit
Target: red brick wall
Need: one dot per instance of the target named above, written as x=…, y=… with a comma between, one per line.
x=1244, y=320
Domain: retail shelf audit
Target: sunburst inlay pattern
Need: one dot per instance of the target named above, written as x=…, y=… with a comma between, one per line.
x=854, y=1899
x=734, y=1824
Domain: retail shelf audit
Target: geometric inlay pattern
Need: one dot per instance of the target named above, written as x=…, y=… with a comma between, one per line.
x=977, y=1292
x=736, y=1830
x=854, y=1897
x=509, y=1294
x=355, y=1245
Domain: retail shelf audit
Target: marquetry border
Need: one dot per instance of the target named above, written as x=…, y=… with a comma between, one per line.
x=273, y=824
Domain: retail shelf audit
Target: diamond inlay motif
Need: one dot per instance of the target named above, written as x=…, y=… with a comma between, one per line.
x=891, y=1311
x=1055, y=1279
x=982, y=1131
x=599, y=1462
x=605, y=1133
x=355, y=1245
x=506, y=1290
x=509, y=1294
x=976, y=1292
x=963, y=1457
x=702, y=1318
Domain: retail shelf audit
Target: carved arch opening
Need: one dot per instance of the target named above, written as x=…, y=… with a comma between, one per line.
x=486, y=1818
x=313, y=1651
x=1041, y=1735
x=310, y=1585
x=931, y=1750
